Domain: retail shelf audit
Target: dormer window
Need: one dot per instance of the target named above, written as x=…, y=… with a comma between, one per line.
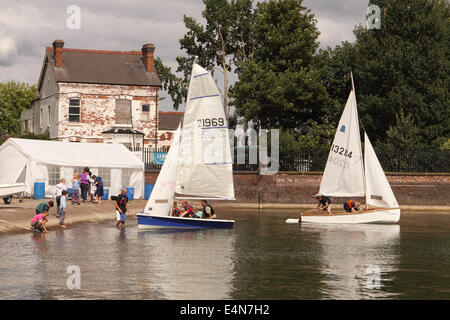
x=74, y=110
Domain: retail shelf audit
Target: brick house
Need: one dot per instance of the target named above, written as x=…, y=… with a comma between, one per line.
x=96, y=96
x=167, y=124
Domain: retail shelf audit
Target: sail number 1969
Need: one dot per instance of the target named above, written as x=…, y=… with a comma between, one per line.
x=211, y=122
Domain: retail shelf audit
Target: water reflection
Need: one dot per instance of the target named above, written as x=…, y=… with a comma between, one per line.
x=357, y=261
x=191, y=264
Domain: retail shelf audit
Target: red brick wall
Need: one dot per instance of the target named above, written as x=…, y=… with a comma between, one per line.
x=299, y=187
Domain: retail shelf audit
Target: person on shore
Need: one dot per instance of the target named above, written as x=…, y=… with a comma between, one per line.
x=175, y=210
x=121, y=208
x=324, y=202
x=208, y=211
x=92, y=187
x=76, y=188
x=98, y=184
x=62, y=211
x=351, y=206
x=188, y=210
x=84, y=184
x=57, y=194
x=39, y=220
x=44, y=206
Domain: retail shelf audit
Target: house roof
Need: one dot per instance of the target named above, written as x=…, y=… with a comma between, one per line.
x=122, y=131
x=101, y=67
x=169, y=120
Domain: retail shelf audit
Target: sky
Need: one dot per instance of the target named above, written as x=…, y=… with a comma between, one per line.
x=28, y=26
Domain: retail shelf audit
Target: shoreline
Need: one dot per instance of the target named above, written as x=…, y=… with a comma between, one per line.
x=16, y=217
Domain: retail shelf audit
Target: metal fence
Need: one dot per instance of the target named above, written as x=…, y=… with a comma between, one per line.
x=315, y=160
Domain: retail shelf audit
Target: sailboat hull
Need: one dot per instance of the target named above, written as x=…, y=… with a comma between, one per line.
x=380, y=216
x=157, y=222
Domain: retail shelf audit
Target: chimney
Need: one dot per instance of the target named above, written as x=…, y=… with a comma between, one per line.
x=57, y=52
x=147, y=57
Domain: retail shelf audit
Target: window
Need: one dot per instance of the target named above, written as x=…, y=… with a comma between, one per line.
x=74, y=110
x=48, y=116
x=40, y=118
x=145, y=108
x=105, y=174
x=126, y=177
x=123, y=111
x=54, y=175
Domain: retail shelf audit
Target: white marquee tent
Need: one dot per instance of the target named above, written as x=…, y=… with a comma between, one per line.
x=29, y=161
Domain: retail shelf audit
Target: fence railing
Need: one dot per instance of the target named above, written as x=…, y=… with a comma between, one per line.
x=315, y=160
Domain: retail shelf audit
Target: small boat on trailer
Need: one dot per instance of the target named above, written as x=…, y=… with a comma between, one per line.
x=198, y=165
x=347, y=174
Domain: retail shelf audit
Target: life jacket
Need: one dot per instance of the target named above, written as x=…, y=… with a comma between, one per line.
x=189, y=209
x=350, y=203
x=176, y=212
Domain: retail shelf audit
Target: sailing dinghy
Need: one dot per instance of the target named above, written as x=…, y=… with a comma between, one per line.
x=198, y=165
x=346, y=175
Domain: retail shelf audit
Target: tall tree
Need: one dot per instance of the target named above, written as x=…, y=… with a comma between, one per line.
x=401, y=70
x=223, y=40
x=15, y=97
x=278, y=87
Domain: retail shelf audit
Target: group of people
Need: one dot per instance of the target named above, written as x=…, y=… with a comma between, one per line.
x=42, y=210
x=325, y=204
x=89, y=184
x=187, y=211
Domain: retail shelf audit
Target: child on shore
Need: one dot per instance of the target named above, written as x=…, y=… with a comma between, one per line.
x=57, y=194
x=62, y=211
x=39, y=220
x=76, y=188
x=92, y=187
x=98, y=183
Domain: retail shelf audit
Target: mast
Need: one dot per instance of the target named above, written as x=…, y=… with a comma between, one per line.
x=362, y=155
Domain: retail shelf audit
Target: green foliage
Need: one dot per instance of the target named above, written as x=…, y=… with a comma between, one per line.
x=29, y=135
x=401, y=67
x=278, y=87
x=14, y=98
x=224, y=39
x=404, y=135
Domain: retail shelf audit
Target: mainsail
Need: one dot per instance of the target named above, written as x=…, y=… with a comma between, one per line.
x=344, y=173
x=378, y=190
x=205, y=164
x=160, y=201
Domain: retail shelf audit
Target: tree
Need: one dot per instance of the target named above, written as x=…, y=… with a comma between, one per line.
x=279, y=87
x=15, y=97
x=217, y=45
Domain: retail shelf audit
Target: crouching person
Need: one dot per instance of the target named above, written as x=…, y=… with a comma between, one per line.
x=121, y=208
x=39, y=220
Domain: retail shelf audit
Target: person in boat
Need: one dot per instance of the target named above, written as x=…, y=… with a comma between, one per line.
x=324, y=202
x=121, y=208
x=208, y=211
x=175, y=211
x=351, y=206
x=188, y=210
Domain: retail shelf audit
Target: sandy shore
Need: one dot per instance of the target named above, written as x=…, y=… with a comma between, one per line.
x=16, y=216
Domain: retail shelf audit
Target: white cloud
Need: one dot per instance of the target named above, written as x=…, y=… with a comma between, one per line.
x=8, y=49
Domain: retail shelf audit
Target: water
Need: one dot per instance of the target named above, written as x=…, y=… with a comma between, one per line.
x=261, y=258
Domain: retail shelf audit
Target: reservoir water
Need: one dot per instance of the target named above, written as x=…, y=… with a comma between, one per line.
x=261, y=258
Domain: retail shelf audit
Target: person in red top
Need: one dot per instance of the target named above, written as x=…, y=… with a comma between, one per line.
x=188, y=210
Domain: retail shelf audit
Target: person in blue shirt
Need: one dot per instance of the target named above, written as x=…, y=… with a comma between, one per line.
x=98, y=183
x=76, y=188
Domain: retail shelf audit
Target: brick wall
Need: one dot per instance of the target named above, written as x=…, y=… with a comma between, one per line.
x=299, y=187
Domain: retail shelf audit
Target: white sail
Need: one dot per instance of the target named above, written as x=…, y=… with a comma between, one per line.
x=344, y=174
x=378, y=190
x=160, y=201
x=205, y=164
